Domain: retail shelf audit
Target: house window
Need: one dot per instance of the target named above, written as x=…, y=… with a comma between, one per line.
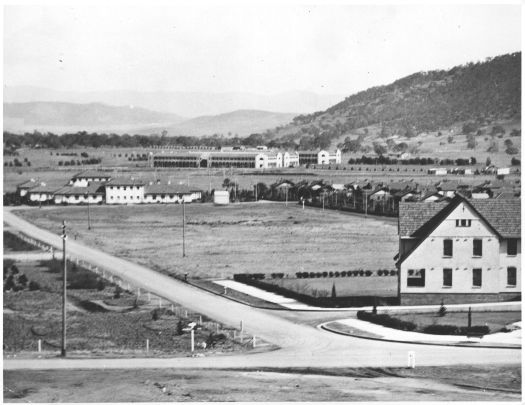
x=447, y=277
x=477, y=249
x=511, y=276
x=476, y=277
x=416, y=278
x=512, y=247
x=447, y=248
x=463, y=222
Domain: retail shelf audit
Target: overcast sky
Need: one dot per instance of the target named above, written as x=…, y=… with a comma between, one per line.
x=264, y=49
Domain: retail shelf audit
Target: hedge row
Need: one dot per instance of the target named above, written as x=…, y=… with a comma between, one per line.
x=385, y=320
x=349, y=273
x=456, y=330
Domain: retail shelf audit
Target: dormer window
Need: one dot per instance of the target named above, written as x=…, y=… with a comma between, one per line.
x=463, y=223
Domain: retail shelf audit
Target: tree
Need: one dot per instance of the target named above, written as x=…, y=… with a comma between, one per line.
x=488, y=162
x=512, y=150
x=450, y=139
x=471, y=142
x=379, y=149
x=469, y=128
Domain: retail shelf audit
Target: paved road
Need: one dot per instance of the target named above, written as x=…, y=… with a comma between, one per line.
x=301, y=345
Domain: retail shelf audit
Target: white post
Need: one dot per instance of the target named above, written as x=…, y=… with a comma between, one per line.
x=192, y=340
x=160, y=303
x=171, y=307
x=412, y=359
x=149, y=296
x=240, y=337
x=186, y=314
x=147, y=345
x=217, y=327
x=242, y=327
x=138, y=292
x=303, y=205
x=39, y=345
x=200, y=319
x=254, y=344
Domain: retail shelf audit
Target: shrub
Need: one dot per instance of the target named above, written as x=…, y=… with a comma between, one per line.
x=478, y=329
x=179, y=328
x=393, y=272
x=385, y=320
x=343, y=274
x=118, y=292
x=312, y=274
x=442, y=310
x=368, y=273
x=361, y=273
x=100, y=284
x=325, y=274
x=379, y=272
x=331, y=274
x=337, y=274
x=441, y=330
x=318, y=274
x=33, y=286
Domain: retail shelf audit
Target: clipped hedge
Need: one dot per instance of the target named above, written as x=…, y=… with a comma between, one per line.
x=385, y=320
x=456, y=330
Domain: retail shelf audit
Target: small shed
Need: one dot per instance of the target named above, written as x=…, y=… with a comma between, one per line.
x=221, y=197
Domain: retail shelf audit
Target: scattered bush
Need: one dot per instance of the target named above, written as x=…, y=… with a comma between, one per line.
x=34, y=286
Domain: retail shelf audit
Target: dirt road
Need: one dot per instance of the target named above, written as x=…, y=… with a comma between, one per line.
x=301, y=345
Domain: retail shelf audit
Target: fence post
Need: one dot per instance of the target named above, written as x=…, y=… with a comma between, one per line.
x=200, y=319
x=160, y=302
x=412, y=359
x=138, y=292
x=254, y=344
x=192, y=340
x=147, y=345
x=39, y=345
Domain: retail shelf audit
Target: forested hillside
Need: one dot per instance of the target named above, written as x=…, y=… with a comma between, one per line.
x=482, y=93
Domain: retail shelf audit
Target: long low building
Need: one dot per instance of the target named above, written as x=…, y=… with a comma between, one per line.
x=99, y=188
x=245, y=158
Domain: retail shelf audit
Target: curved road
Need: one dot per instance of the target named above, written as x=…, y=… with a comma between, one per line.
x=301, y=345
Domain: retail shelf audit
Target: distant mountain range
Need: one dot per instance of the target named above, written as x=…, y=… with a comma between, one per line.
x=185, y=104
x=59, y=117
x=240, y=122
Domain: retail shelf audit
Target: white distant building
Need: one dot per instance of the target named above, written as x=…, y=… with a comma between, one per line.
x=170, y=194
x=290, y=159
x=321, y=157
x=437, y=171
x=84, y=178
x=221, y=197
x=502, y=171
x=92, y=194
x=124, y=191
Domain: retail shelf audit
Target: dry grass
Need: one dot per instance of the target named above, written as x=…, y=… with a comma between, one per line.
x=240, y=238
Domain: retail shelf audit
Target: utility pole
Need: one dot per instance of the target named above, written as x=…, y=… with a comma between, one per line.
x=183, y=227
x=64, y=281
x=88, y=212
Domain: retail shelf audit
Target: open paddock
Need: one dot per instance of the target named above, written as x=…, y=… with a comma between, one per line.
x=222, y=241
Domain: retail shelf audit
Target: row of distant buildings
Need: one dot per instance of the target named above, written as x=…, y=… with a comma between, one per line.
x=257, y=158
x=92, y=187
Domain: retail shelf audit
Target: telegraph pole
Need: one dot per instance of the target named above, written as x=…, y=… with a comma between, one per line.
x=183, y=226
x=64, y=281
x=88, y=212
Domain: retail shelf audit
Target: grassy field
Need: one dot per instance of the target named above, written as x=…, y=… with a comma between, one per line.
x=494, y=320
x=459, y=383
x=100, y=321
x=239, y=238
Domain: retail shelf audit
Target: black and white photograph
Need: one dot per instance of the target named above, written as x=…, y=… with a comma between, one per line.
x=261, y=201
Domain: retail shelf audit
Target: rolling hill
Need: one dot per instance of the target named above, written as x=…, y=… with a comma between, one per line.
x=482, y=93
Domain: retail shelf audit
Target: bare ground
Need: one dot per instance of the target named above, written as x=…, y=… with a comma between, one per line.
x=461, y=383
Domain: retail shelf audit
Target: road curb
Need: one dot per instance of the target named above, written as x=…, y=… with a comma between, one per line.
x=462, y=345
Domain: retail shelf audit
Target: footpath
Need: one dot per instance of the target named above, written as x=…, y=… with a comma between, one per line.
x=367, y=330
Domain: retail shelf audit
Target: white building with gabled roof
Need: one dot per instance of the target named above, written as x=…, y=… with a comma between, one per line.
x=462, y=251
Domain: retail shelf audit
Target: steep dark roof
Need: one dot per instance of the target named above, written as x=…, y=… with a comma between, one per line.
x=503, y=215
x=28, y=184
x=412, y=216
